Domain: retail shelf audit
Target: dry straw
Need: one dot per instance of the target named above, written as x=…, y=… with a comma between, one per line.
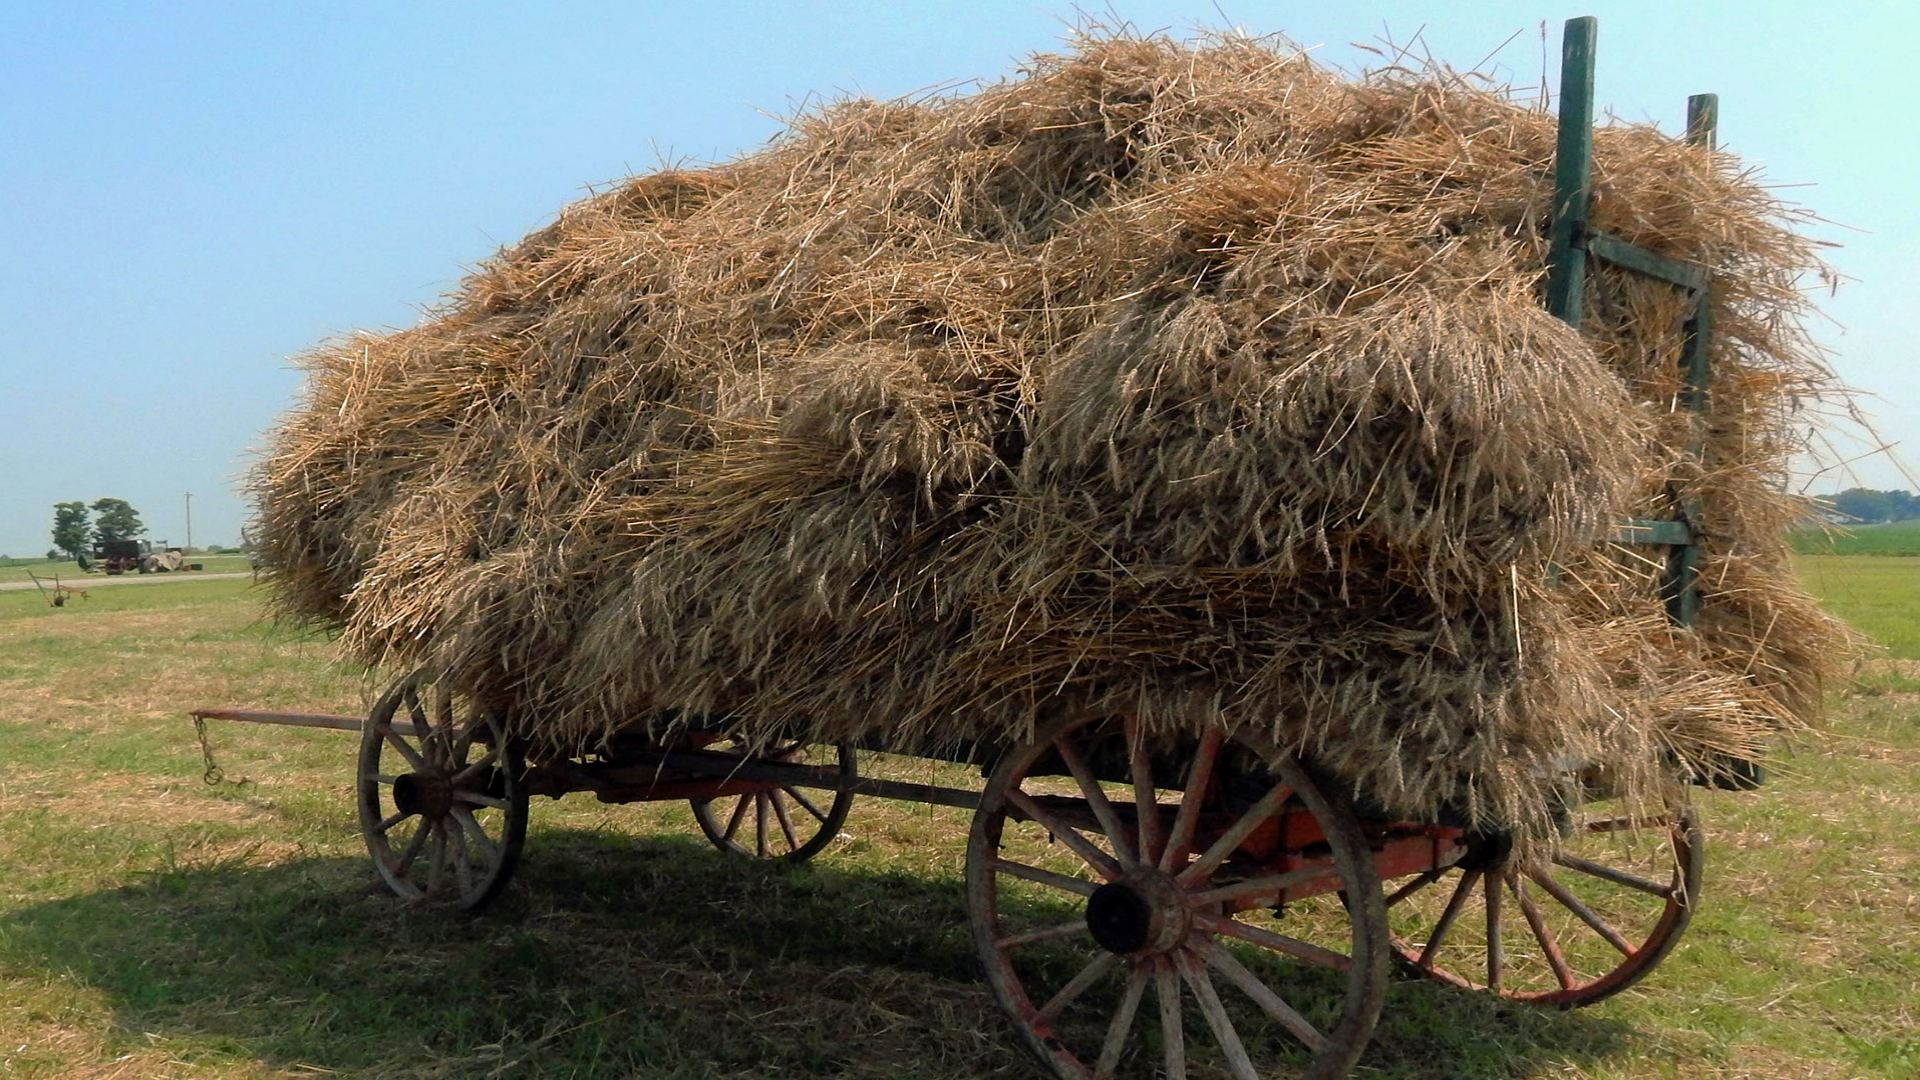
x=1189, y=380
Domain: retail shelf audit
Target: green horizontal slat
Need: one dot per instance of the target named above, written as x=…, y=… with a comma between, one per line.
x=1640, y=260
x=1640, y=531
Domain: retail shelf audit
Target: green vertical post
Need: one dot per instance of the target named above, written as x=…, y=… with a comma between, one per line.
x=1572, y=172
x=1683, y=563
x=1703, y=120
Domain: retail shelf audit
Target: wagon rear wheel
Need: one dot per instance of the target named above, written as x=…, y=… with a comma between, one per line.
x=1123, y=943
x=443, y=805
x=791, y=823
x=1603, y=913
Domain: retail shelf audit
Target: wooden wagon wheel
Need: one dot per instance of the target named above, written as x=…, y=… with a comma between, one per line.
x=1610, y=906
x=788, y=823
x=443, y=804
x=1083, y=909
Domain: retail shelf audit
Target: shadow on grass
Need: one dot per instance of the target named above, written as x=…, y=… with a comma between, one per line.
x=607, y=958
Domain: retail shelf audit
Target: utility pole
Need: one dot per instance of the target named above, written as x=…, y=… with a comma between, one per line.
x=189, y=521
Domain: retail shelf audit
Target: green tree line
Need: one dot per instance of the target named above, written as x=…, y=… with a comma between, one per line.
x=1870, y=505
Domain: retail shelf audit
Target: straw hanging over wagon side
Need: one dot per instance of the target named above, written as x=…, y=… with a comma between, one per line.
x=1181, y=423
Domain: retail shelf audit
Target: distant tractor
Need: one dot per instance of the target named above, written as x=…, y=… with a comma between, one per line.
x=141, y=556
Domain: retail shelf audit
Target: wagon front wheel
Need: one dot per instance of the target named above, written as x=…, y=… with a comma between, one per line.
x=1156, y=911
x=778, y=822
x=443, y=804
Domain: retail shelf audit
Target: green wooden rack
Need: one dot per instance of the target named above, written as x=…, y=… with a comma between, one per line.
x=1574, y=240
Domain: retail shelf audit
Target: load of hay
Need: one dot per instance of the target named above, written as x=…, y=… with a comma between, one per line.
x=1192, y=381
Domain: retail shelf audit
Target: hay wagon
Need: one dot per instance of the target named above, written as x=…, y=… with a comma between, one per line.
x=1248, y=905
x=1185, y=868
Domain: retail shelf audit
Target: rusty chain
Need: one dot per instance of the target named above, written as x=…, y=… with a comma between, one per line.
x=214, y=775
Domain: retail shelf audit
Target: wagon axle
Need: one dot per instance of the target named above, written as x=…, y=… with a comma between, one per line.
x=428, y=794
x=1146, y=915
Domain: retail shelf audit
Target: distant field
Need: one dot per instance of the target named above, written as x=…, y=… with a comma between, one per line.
x=69, y=574
x=1879, y=595
x=1894, y=538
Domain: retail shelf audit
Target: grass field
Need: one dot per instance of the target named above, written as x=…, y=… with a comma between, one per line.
x=1893, y=538
x=152, y=925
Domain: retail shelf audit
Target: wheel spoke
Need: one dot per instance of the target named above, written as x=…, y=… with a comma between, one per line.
x=381, y=778
x=760, y=801
x=1224, y=1034
x=414, y=845
x=1425, y=879
x=409, y=753
x=1618, y=877
x=1452, y=912
x=1121, y=1025
x=473, y=771
x=1538, y=924
x=461, y=859
x=1071, y=928
x=1584, y=913
x=391, y=820
x=1097, y=799
x=1199, y=775
x=1076, y=986
x=1495, y=951
x=1034, y=874
x=478, y=799
x=436, y=858
x=1146, y=808
x=1067, y=834
x=1260, y=887
x=739, y=815
x=1271, y=1003
x=1280, y=943
x=425, y=730
x=806, y=804
x=471, y=826
x=420, y=724
x=786, y=820
x=1172, y=1032
x=1232, y=838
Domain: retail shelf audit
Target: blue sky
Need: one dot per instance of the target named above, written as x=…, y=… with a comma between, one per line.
x=191, y=193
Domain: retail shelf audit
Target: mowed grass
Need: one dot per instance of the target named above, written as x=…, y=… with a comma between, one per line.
x=152, y=925
x=1878, y=595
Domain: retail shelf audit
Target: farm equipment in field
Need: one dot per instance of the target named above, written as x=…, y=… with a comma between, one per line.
x=141, y=556
x=56, y=594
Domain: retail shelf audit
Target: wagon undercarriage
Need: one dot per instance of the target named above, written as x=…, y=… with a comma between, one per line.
x=1136, y=906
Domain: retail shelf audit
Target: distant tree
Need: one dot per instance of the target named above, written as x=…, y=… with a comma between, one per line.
x=115, y=520
x=53, y=554
x=70, y=527
x=1870, y=505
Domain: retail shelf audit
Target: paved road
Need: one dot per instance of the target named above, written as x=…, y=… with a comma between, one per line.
x=95, y=581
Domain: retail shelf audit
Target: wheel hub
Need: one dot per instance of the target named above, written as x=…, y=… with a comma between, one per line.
x=1486, y=851
x=429, y=794
x=1145, y=915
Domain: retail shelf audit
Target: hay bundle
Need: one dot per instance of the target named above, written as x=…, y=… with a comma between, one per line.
x=1193, y=381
